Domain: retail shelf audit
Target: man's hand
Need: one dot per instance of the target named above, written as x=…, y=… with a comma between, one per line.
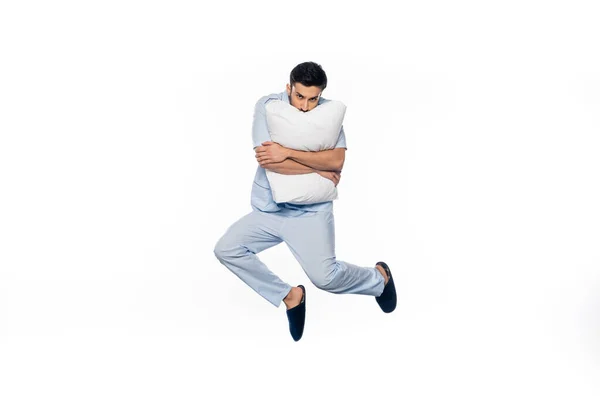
x=331, y=175
x=271, y=152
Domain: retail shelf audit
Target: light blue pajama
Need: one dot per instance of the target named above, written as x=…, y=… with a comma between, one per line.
x=308, y=230
x=311, y=239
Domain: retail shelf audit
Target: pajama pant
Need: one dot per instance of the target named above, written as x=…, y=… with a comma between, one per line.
x=311, y=239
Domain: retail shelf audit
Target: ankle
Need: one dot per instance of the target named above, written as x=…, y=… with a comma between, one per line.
x=292, y=294
x=293, y=298
x=383, y=273
x=288, y=298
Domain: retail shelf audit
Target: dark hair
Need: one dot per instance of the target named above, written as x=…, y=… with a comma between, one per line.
x=309, y=74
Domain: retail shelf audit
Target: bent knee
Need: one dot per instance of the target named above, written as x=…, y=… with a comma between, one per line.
x=325, y=280
x=222, y=250
x=225, y=249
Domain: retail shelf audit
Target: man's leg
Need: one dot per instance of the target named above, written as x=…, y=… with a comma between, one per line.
x=237, y=251
x=311, y=238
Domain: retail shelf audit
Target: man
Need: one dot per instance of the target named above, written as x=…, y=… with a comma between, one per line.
x=307, y=230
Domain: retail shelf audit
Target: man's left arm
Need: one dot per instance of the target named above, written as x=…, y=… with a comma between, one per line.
x=324, y=160
x=333, y=159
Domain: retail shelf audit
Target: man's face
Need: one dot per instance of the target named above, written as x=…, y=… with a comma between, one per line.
x=304, y=98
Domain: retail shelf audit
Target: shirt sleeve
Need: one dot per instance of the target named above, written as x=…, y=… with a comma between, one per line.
x=342, y=139
x=260, y=131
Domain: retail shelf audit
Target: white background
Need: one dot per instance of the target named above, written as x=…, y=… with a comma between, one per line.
x=472, y=169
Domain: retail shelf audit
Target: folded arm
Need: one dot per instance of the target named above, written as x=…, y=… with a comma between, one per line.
x=273, y=156
x=288, y=167
x=291, y=167
x=325, y=160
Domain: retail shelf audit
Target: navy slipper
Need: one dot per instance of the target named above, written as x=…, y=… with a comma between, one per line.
x=387, y=299
x=296, y=316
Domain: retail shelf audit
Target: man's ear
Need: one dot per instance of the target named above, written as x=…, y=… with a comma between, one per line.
x=288, y=88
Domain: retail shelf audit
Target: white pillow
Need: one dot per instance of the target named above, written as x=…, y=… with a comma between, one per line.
x=315, y=130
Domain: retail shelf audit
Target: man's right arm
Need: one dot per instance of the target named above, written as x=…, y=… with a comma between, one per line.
x=289, y=167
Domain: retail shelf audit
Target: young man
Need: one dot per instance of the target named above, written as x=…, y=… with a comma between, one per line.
x=308, y=230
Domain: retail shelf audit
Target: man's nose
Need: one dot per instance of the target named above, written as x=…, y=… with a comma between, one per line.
x=304, y=106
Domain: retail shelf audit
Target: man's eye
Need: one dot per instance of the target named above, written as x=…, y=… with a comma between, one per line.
x=313, y=100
